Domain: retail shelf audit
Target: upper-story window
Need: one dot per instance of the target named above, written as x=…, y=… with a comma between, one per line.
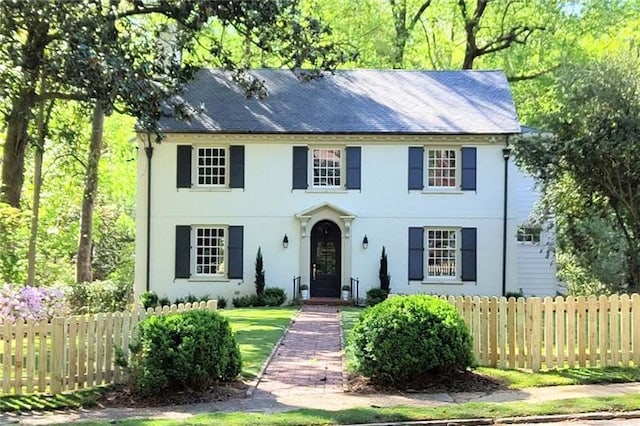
x=327, y=167
x=529, y=234
x=211, y=166
x=441, y=168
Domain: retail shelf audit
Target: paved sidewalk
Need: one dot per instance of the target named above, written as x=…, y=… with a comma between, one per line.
x=309, y=358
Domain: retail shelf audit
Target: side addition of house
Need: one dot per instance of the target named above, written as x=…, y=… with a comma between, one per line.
x=322, y=174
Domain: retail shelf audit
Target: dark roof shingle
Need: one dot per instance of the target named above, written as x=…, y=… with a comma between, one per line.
x=358, y=101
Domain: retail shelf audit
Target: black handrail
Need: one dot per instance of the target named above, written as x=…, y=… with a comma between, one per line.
x=296, y=287
x=357, y=293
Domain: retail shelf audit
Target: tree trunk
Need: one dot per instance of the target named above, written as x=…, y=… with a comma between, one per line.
x=14, y=150
x=83, y=263
x=37, y=185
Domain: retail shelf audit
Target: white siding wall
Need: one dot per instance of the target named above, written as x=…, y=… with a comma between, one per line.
x=266, y=207
x=535, y=263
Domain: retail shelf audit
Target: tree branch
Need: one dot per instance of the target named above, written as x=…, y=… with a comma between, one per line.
x=418, y=14
x=524, y=77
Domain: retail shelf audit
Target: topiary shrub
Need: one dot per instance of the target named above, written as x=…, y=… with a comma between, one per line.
x=274, y=296
x=183, y=351
x=403, y=340
x=375, y=296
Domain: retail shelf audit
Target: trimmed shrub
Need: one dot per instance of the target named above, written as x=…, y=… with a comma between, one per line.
x=164, y=301
x=375, y=296
x=149, y=299
x=274, y=296
x=405, y=339
x=222, y=302
x=241, y=301
x=259, y=274
x=183, y=351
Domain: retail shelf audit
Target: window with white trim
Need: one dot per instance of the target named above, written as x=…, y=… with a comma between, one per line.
x=529, y=234
x=442, y=168
x=326, y=169
x=442, y=253
x=211, y=166
x=209, y=250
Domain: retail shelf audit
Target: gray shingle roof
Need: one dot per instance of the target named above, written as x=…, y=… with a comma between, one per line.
x=358, y=101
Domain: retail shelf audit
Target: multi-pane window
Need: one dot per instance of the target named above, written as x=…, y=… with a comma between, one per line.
x=441, y=166
x=209, y=251
x=327, y=167
x=211, y=166
x=441, y=253
x=529, y=234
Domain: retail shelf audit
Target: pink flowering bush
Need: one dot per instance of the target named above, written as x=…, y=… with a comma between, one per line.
x=35, y=303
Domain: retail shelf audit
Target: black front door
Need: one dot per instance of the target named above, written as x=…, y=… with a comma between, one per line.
x=325, y=260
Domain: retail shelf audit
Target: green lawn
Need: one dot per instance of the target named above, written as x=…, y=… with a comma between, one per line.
x=257, y=331
x=403, y=414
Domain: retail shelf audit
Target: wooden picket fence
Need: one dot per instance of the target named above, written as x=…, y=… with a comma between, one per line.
x=556, y=332
x=70, y=353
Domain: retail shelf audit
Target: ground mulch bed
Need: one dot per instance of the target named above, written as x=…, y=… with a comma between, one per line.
x=448, y=382
x=124, y=396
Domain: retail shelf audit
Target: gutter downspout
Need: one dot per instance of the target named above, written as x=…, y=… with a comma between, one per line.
x=506, y=153
x=149, y=151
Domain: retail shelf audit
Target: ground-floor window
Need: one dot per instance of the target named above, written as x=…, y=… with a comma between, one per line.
x=209, y=250
x=442, y=253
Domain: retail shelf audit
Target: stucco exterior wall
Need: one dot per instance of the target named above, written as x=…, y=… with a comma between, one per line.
x=267, y=207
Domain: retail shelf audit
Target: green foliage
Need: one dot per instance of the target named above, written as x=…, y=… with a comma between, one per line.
x=515, y=294
x=13, y=247
x=274, y=296
x=183, y=351
x=375, y=296
x=589, y=170
x=405, y=339
x=222, y=302
x=259, y=274
x=149, y=299
x=383, y=273
x=99, y=296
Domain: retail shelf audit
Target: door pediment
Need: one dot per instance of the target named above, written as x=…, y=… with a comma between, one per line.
x=326, y=211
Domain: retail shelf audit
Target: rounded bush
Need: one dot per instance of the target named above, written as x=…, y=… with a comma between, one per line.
x=405, y=339
x=184, y=351
x=274, y=296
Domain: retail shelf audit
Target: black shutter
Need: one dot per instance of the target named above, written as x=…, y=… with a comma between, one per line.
x=235, y=248
x=469, y=258
x=300, y=159
x=468, y=169
x=416, y=254
x=416, y=166
x=183, y=175
x=183, y=252
x=236, y=164
x=354, y=160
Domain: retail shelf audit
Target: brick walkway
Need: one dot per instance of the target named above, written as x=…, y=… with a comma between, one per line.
x=309, y=360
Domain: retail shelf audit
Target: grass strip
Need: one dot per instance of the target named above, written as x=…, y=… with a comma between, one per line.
x=304, y=417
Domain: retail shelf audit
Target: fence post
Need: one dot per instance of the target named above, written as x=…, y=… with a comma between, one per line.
x=57, y=354
x=212, y=305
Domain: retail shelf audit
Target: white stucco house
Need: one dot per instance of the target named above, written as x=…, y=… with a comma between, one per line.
x=322, y=174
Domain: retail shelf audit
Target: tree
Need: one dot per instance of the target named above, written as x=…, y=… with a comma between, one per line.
x=383, y=273
x=596, y=146
x=259, y=274
x=403, y=27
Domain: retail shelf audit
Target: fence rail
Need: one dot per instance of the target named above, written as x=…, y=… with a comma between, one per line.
x=72, y=352
x=556, y=332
